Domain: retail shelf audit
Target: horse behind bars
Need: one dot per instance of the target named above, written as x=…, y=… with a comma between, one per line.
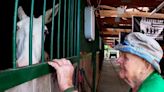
x=22, y=38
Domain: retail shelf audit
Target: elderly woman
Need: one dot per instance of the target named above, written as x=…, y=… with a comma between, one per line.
x=139, y=65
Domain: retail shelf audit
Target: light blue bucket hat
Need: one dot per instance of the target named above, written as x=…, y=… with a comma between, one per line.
x=142, y=46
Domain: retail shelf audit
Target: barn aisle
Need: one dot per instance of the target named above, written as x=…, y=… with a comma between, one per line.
x=109, y=79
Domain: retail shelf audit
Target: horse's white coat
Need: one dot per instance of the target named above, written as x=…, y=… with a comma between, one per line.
x=22, y=39
x=42, y=84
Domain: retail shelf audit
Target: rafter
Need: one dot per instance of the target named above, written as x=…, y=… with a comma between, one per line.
x=111, y=13
x=129, y=3
x=111, y=20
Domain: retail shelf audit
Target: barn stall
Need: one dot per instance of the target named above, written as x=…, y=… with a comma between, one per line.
x=65, y=39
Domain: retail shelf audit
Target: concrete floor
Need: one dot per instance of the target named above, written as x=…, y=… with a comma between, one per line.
x=109, y=79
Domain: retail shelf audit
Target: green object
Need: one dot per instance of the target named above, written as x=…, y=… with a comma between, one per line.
x=71, y=89
x=79, y=27
x=13, y=77
x=153, y=83
x=14, y=33
x=58, y=33
x=64, y=28
x=43, y=26
x=68, y=31
x=71, y=27
x=52, y=34
x=75, y=28
x=106, y=47
x=31, y=32
x=73, y=22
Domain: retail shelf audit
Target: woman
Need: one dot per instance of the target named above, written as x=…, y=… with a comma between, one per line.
x=139, y=65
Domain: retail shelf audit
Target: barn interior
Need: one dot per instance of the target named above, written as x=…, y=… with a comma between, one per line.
x=114, y=20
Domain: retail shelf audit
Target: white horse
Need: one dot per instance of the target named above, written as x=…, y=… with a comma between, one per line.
x=22, y=42
x=22, y=39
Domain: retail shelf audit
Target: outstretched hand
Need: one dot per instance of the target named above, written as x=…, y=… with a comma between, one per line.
x=64, y=70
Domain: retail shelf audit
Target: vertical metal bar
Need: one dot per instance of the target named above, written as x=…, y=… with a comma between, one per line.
x=71, y=28
x=78, y=27
x=52, y=32
x=43, y=29
x=31, y=32
x=58, y=34
x=75, y=27
x=68, y=36
x=78, y=38
x=64, y=27
x=14, y=33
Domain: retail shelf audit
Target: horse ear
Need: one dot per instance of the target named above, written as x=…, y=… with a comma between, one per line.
x=48, y=17
x=21, y=13
x=56, y=9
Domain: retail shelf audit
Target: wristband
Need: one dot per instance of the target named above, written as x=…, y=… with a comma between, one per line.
x=70, y=89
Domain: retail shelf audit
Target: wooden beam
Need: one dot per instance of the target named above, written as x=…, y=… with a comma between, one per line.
x=111, y=13
x=129, y=3
x=117, y=26
x=110, y=38
x=109, y=33
x=113, y=33
x=109, y=41
x=117, y=30
x=111, y=20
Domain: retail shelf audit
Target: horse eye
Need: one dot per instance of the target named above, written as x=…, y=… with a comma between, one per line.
x=45, y=31
x=17, y=27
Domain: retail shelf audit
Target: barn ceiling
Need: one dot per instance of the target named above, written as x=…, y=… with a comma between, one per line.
x=114, y=16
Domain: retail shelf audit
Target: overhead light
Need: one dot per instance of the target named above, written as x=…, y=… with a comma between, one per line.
x=105, y=23
x=102, y=17
x=121, y=10
x=146, y=9
x=132, y=10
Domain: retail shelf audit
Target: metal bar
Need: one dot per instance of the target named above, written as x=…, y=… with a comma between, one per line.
x=31, y=32
x=14, y=33
x=78, y=38
x=58, y=36
x=43, y=29
x=68, y=32
x=71, y=28
x=64, y=28
x=78, y=27
x=13, y=77
x=158, y=8
x=52, y=32
x=75, y=28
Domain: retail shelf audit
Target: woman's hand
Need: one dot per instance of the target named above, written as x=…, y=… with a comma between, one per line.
x=64, y=70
